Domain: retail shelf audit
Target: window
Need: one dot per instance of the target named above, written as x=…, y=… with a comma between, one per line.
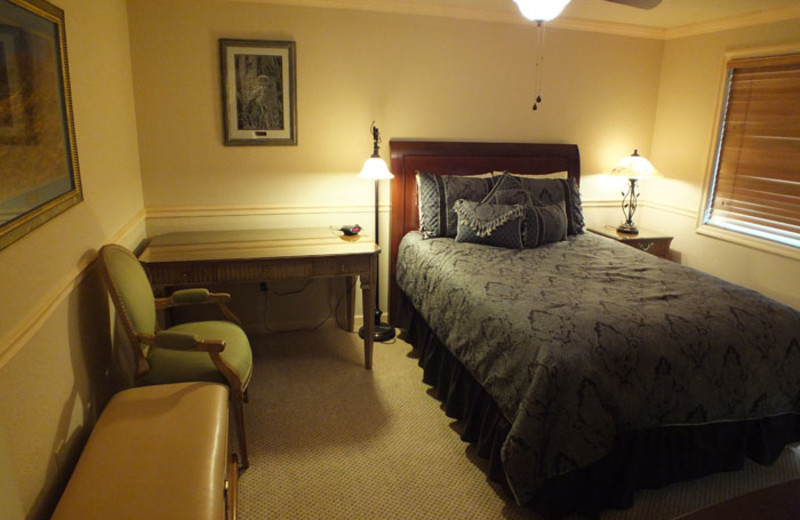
x=755, y=189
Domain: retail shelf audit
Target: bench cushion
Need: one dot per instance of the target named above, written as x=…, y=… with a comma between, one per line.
x=156, y=452
x=779, y=502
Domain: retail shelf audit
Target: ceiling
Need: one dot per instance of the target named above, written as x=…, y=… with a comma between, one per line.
x=673, y=18
x=671, y=14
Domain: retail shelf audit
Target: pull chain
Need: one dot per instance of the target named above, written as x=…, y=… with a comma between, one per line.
x=537, y=82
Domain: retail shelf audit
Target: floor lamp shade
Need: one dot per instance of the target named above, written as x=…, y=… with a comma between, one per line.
x=375, y=169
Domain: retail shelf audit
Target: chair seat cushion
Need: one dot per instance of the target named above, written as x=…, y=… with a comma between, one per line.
x=170, y=366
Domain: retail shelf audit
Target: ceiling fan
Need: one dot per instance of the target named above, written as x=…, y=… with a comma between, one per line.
x=541, y=11
x=641, y=4
x=544, y=10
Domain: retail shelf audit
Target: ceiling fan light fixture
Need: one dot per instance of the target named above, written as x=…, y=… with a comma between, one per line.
x=541, y=10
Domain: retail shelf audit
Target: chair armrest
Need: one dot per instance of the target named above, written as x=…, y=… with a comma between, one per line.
x=198, y=296
x=191, y=342
x=191, y=297
x=183, y=341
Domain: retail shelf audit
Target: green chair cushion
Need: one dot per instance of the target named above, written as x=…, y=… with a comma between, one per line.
x=133, y=287
x=172, y=366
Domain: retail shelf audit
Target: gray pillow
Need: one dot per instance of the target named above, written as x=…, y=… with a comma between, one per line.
x=497, y=225
x=550, y=226
x=437, y=196
x=542, y=224
x=545, y=192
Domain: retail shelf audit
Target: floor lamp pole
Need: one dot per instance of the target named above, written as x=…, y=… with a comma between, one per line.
x=383, y=332
x=377, y=267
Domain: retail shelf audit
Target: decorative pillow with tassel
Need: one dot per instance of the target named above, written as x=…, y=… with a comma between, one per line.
x=497, y=225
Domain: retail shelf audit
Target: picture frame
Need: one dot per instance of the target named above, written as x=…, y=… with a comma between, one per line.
x=41, y=176
x=259, y=92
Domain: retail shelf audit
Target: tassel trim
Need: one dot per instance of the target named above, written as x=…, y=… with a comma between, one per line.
x=484, y=218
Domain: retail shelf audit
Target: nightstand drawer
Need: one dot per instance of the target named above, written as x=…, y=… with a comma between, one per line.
x=654, y=246
x=648, y=241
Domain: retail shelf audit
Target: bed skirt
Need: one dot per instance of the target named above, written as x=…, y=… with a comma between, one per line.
x=647, y=459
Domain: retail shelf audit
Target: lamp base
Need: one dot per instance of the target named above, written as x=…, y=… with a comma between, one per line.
x=381, y=334
x=627, y=228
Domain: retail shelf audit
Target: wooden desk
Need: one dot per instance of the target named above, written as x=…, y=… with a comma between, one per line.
x=208, y=257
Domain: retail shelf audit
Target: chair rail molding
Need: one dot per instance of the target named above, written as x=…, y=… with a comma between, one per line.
x=237, y=210
x=15, y=339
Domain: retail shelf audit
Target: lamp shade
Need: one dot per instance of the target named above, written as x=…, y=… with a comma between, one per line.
x=541, y=10
x=375, y=169
x=635, y=167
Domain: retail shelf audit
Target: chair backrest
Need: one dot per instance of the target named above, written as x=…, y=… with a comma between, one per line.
x=133, y=298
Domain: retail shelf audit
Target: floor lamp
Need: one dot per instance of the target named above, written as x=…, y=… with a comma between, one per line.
x=375, y=169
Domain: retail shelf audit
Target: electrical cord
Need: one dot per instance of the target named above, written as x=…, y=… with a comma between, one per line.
x=333, y=309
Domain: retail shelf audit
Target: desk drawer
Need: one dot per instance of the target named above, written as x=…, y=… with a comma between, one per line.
x=177, y=274
x=261, y=270
x=341, y=265
x=264, y=270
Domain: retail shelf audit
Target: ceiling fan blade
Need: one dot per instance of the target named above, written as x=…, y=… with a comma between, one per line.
x=641, y=4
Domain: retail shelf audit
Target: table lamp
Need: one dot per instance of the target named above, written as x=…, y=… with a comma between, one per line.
x=634, y=167
x=375, y=169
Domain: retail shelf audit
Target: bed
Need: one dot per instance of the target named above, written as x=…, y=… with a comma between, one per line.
x=582, y=369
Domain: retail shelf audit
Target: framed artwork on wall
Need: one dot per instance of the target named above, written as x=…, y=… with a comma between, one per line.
x=259, y=92
x=40, y=175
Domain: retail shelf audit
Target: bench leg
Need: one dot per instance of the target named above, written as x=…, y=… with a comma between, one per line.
x=237, y=407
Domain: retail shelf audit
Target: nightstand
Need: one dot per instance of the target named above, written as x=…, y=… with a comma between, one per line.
x=648, y=241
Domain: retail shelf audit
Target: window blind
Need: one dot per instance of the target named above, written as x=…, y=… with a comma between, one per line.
x=756, y=188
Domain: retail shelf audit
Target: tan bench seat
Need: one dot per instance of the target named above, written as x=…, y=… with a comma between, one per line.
x=156, y=452
x=779, y=502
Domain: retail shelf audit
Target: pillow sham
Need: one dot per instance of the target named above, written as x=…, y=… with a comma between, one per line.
x=437, y=194
x=544, y=192
x=542, y=224
x=550, y=225
x=497, y=225
x=554, y=175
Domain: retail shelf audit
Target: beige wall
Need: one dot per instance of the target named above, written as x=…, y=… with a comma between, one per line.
x=54, y=347
x=147, y=106
x=417, y=76
x=683, y=135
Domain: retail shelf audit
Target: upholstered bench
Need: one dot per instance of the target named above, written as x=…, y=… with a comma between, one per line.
x=779, y=502
x=157, y=452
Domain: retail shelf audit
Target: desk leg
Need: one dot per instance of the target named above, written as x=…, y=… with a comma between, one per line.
x=368, y=281
x=346, y=312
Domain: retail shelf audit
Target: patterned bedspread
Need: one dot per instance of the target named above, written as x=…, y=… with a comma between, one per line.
x=579, y=340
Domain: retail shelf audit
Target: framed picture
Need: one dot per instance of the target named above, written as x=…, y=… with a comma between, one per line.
x=259, y=92
x=16, y=125
x=40, y=176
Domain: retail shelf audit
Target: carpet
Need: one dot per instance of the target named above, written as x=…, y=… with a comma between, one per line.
x=329, y=440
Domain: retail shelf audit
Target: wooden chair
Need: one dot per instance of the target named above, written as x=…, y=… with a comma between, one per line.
x=216, y=351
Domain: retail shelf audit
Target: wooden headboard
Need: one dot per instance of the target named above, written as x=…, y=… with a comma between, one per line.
x=460, y=158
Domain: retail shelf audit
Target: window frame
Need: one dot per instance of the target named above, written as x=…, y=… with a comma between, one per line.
x=715, y=231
